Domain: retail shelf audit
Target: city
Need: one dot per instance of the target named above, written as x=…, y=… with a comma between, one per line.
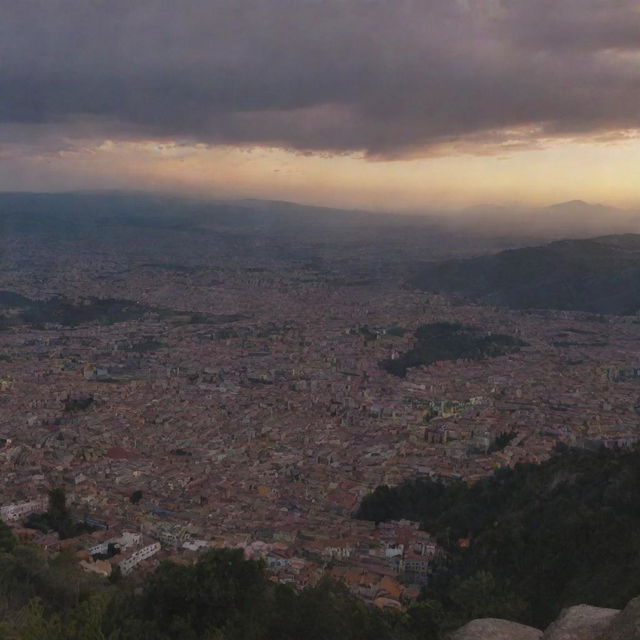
x=262, y=422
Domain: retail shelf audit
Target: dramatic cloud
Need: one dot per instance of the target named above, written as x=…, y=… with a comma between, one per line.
x=390, y=78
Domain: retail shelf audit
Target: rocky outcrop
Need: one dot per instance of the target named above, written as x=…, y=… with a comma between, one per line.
x=581, y=622
x=626, y=625
x=495, y=629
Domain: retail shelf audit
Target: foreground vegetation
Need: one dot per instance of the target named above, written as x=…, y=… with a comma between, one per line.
x=540, y=537
x=221, y=597
x=521, y=544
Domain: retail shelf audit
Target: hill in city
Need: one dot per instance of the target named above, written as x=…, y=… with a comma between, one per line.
x=450, y=341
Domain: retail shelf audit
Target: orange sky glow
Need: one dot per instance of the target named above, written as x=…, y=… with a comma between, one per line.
x=597, y=171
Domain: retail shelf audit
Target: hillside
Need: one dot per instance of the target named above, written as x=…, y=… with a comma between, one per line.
x=450, y=341
x=599, y=275
x=537, y=538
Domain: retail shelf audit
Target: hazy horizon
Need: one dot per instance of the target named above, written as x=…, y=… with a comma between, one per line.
x=425, y=210
x=517, y=224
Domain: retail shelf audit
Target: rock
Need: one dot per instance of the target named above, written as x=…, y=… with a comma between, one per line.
x=581, y=622
x=626, y=625
x=495, y=629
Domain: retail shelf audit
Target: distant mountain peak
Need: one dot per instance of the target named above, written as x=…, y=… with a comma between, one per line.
x=572, y=203
x=578, y=205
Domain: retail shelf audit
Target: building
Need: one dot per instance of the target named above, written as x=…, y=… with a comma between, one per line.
x=19, y=510
x=130, y=560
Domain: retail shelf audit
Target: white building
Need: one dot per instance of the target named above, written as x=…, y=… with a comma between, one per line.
x=129, y=561
x=19, y=510
x=195, y=545
x=126, y=541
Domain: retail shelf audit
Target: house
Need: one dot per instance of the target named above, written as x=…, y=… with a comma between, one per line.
x=130, y=560
x=340, y=550
x=19, y=510
x=416, y=568
x=195, y=545
x=124, y=542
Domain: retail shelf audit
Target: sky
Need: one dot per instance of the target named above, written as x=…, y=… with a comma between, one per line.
x=382, y=104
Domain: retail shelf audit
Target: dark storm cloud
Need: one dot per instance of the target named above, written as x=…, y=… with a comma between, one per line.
x=384, y=76
x=575, y=24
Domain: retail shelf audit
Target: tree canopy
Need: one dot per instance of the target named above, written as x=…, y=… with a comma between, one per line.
x=540, y=537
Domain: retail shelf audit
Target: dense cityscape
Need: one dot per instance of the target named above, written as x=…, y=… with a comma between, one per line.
x=250, y=407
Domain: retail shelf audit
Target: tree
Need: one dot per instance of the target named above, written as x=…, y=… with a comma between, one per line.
x=58, y=514
x=116, y=574
x=425, y=618
x=135, y=497
x=7, y=539
x=480, y=596
x=58, y=505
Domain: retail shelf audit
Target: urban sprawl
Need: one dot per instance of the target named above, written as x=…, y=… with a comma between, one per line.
x=256, y=414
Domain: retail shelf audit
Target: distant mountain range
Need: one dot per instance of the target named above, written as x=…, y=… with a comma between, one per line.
x=600, y=275
x=142, y=228
x=189, y=232
x=573, y=219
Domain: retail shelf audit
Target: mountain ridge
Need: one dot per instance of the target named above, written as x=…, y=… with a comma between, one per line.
x=597, y=275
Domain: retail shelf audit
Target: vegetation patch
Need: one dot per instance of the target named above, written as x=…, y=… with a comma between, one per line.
x=450, y=341
x=526, y=542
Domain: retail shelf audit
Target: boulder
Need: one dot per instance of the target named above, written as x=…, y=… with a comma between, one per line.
x=581, y=622
x=495, y=629
x=626, y=625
